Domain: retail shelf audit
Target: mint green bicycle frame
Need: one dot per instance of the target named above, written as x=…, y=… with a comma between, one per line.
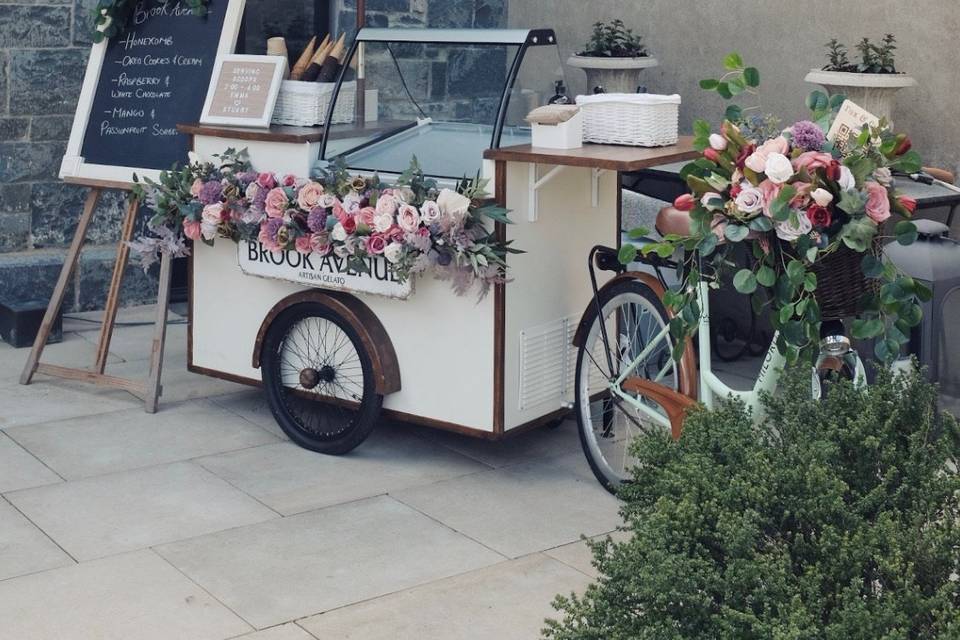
x=711, y=387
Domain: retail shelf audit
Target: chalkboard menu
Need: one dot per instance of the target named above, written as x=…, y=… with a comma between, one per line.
x=153, y=77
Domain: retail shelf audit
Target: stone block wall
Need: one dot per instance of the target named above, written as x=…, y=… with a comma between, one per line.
x=43, y=52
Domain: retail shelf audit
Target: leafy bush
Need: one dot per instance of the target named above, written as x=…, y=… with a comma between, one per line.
x=874, y=58
x=834, y=520
x=614, y=40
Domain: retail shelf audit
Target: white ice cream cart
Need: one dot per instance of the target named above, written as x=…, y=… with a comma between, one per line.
x=487, y=368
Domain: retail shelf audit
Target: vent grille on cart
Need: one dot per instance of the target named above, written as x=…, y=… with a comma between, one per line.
x=548, y=362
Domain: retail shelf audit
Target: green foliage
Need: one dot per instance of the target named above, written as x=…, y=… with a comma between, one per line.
x=834, y=520
x=614, y=40
x=115, y=16
x=874, y=58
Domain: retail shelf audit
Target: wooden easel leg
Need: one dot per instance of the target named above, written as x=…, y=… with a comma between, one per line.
x=60, y=290
x=159, y=335
x=113, y=297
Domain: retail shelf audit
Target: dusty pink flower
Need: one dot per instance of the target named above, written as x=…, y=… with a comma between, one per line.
x=408, y=218
x=320, y=242
x=304, y=244
x=191, y=229
x=267, y=180
x=770, y=192
x=366, y=216
x=276, y=202
x=757, y=161
x=376, y=244
x=290, y=180
x=387, y=204
x=812, y=160
x=309, y=195
x=878, y=202
x=196, y=187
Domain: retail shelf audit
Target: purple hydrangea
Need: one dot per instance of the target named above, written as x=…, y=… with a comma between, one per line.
x=317, y=220
x=211, y=192
x=808, y=136
x=273, y=227
x=247, y=177
x=260, y=199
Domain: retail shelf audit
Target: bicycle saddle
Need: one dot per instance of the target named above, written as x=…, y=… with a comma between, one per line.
x=671, y=220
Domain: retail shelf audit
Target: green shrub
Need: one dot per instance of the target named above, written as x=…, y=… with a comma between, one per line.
x=833, y=520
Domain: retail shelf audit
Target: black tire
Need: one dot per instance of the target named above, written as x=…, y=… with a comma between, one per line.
x=310, y=350
x=611, y=417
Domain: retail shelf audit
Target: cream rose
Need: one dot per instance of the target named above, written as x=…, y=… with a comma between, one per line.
x=386, y=204
x=339, y=233
x=847, y=181
x=309, y=195
x=430, y=212
x=779, y=168
x=382, y=222
x=788, y=231
x=750, y=200
x=393, y=252
x=822, y=197
x=453, y=204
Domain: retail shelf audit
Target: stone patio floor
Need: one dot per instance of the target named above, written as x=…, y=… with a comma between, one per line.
x=203, y=521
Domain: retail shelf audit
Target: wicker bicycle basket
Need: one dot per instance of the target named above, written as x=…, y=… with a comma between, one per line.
x=841, y=285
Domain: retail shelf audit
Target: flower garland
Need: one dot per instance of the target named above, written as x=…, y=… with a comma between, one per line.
x=795, y=200
x=413, y=225
x=113, y=17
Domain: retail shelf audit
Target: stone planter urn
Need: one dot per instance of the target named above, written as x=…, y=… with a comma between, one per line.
x=615, y=75
x=875, y=92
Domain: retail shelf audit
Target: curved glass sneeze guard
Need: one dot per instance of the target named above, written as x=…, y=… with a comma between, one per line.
x=438, y=95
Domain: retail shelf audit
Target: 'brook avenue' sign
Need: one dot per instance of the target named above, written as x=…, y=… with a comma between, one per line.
x=326, y=272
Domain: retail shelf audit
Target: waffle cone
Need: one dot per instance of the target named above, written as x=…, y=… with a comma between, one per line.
x=304, y=60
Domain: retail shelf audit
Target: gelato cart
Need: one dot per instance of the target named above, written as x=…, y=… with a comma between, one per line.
x=493, y=367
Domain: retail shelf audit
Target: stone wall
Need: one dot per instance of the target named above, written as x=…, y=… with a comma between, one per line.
x=43, y=50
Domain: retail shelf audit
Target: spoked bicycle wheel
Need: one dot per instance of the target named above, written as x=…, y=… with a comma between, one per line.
x=634, y=316
x=319, y=379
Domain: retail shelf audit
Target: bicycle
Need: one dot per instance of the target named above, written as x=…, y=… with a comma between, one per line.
x=634, y=385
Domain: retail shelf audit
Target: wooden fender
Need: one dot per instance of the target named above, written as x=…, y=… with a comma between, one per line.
x=386, y=368
x=688, y=377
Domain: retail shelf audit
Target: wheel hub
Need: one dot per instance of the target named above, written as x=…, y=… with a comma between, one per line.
x=310, y=377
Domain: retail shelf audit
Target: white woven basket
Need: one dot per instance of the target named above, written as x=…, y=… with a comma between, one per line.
x=305, y=104
x=635, y=119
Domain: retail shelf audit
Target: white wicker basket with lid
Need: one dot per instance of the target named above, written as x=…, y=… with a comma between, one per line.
x=635, y=119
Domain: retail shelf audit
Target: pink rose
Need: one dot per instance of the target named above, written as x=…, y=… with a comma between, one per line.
x=799, y=201
x=878, y=202
x=430, y=211
x=376, y=244
x=304, y=244
x=290, y=180
x=396, y=234
x=276, y=202
x=309, y=195
x=191, y=229
x=320, y=242
x=770, y=192
x=212, y=213
x=366, y=215
x=408, y=218
x=812, y=160
x=386, y=204
x=267, y=180
x=339, y=212
x=196, y=187
x=423, y=232
x=350, y=224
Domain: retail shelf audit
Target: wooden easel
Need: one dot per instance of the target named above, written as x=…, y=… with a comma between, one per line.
x=148, y=390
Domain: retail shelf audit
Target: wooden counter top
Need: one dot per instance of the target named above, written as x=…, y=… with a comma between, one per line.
x=599, y=156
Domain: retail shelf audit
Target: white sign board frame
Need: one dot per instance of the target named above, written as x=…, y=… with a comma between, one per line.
x=323, y=272
x=73, y=166
x=279, y=71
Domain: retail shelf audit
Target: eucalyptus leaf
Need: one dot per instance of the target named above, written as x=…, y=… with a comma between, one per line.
x=745, y=281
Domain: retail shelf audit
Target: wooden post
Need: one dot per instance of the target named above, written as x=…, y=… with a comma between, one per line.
x=148, y=390
x=60, y=290
x=113, y=296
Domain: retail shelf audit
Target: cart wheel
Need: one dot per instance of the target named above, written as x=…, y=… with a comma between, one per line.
x=319, y=379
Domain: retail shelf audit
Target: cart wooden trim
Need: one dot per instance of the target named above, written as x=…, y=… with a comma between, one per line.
x=598, y=156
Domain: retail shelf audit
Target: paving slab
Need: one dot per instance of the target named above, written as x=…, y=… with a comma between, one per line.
x=21, y=470
x=282, y=632
x=579, y=556
x=131, y=343
x=49, y=399
x=533, y=445
x=24, y=548
x=251, y=404
x=324, y=559
x=508, y=601
x=111, y=514
x=131, y=596
x=523, y=508
x=122, y=440
x=74, y=351
x=178, y=383
x=291, y=480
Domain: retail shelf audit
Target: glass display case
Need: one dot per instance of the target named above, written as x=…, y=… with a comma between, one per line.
x=443, y=96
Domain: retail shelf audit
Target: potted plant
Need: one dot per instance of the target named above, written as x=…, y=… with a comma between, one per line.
x=613, y=58
x=872, y=83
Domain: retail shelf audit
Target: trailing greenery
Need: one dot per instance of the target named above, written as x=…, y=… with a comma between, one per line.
x=614, y=40
x=833, y=520
x=874, y=58
x=113, y=17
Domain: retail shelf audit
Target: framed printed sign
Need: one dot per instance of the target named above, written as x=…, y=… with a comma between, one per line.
x=243, y=90
x=325, y=272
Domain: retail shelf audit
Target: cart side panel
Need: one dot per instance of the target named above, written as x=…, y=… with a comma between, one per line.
x=551, y=286
x=443, y=342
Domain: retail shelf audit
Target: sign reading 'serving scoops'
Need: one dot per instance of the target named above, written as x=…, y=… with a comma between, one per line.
x=326, y=272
